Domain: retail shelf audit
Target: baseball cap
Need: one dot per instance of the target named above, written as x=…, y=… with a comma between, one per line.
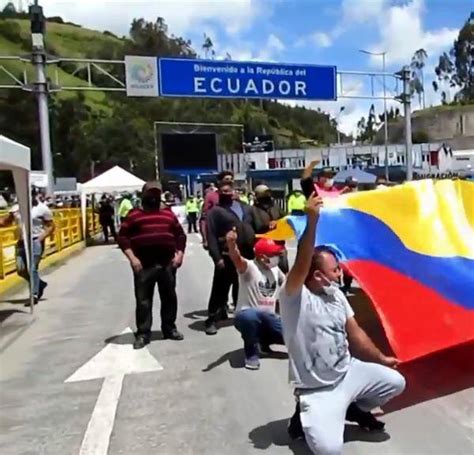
x=267, y=247
x=326, y=172
x=261, y=189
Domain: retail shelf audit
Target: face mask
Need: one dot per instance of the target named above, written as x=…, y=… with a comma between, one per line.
x=331, y=287
x=265, y=201
x=329, y=183
x=225, y=199
x=273, y=262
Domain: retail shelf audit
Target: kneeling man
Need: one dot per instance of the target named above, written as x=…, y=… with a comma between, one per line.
x=259, y=284
x=318, y=327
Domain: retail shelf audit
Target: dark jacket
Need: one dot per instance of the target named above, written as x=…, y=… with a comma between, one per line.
x=307, y=185
x=106, y=212
x=221, y=220
x=261, y=217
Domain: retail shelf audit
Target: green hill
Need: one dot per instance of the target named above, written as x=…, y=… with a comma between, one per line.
x=62, y=40
x=109, y=128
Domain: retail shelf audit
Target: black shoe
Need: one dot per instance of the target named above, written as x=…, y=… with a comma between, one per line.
x=295, y=429
x=173, y=335
x=35, y=301
x=266, y=350
x=42, y=286
x=211, y=328
x=364, y=419
x=140, y=342
x=223, y=315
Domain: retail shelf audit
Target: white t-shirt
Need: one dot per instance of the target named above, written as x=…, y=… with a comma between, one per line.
x=314, y=329
x=259, y=287
x=40, y=214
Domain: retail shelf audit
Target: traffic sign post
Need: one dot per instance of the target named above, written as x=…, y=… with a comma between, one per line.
x=229, y=79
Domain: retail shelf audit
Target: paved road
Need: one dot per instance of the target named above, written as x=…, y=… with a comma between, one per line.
x=203, y=401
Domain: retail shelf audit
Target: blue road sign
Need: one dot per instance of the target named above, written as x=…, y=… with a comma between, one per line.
x=228, y=79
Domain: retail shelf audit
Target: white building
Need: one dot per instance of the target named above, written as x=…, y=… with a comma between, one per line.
x=432, y=158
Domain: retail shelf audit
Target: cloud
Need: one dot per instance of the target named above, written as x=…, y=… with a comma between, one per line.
x=275, y=43
x=352, y=12
x=116, y=15
x=402, y=33
x=348, y=118
x=360, y=11
x=321, y=39
x=245, y=51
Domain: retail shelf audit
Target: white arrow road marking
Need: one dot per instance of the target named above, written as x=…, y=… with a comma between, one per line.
x=112, y=363
x=99, y=429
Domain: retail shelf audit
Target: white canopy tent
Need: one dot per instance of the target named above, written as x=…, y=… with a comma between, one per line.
x=16, y=158
x=115, y=180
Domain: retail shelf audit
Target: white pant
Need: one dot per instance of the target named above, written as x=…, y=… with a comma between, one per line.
x=323, y=411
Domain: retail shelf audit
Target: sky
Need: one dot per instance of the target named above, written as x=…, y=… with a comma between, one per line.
x=299, y=31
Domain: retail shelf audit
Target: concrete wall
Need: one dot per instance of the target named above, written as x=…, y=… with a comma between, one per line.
x=446, y=124
x=454, y=127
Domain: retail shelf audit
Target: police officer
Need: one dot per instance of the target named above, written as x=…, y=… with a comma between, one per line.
x=192, y=211
x=296, y=203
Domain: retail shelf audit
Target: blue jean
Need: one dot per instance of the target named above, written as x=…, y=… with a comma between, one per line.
x=258, y=327
x=21, y=264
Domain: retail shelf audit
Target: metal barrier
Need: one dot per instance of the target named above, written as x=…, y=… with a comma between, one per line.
x=68, y=231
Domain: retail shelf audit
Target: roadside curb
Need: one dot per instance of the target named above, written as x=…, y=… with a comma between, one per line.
x=14, y=281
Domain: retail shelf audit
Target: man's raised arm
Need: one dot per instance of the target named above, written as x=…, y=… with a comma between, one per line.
x=299, y=271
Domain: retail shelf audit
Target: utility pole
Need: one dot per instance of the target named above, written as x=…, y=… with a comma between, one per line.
x=406, y=100
x=385, y=120
x=40, y=88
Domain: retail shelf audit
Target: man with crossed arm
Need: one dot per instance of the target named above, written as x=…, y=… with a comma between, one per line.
x=318, y=327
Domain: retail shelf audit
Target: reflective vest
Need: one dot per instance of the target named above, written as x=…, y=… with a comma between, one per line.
x=243, y=198
x=125, y=207
x=296, y=202
x=192, y=206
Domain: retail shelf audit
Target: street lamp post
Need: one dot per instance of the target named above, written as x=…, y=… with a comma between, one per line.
x=40, y=87
x=385, y=121
x=341, y=110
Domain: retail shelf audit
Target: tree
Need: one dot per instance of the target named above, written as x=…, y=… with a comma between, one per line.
x=455, y=68
x=367, y=129
x=208, y=47
x=9, y=10
x=361, y=127
x=255, y=120
x=418, y=80
x=392, y=114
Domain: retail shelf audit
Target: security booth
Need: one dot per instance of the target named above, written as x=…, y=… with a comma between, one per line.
x=16, y=158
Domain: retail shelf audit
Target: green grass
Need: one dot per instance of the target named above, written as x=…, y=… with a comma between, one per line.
x=70, y=41
x=66, y=41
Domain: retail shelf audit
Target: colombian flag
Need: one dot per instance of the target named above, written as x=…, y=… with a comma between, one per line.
x=411, y=248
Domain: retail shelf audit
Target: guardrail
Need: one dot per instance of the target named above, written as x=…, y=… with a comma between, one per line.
x=68, y=232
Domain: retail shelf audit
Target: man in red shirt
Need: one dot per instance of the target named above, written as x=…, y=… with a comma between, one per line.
x=211, y=199
x=324, y=184
x=154, y=242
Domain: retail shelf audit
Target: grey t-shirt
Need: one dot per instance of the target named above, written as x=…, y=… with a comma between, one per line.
x=315, y=336
x=259, y=287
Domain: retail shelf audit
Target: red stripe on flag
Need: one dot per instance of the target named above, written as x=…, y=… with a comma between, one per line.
x=416, y=319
